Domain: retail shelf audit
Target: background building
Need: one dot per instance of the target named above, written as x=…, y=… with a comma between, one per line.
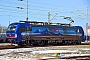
x=88, y=30
x=3, y=29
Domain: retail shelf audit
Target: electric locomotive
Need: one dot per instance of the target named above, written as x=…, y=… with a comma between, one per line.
x=43, y=33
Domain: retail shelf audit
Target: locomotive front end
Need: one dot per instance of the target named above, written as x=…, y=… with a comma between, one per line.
x=11, y=36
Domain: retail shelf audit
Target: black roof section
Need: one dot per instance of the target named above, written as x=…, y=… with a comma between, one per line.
x=45, y=23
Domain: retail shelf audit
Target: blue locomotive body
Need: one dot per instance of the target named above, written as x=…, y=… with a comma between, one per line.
x=42, y=33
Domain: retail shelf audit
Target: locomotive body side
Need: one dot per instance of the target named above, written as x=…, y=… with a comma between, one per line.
x=54, y=34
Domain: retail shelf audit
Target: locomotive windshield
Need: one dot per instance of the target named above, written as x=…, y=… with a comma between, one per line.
x=11, y=28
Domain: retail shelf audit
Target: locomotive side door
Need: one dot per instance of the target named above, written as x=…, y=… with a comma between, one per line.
x=25, y=34
x=28, y=37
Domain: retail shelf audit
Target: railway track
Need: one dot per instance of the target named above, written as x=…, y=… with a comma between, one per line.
x=13, y=46
x=78, y=58
x=14, y=49
x=69, y=57
x=8, y=46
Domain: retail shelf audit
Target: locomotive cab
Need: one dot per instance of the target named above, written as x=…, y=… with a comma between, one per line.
x=13, y=33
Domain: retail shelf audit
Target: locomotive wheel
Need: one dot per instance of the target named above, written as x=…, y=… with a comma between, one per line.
x=10, y=41
x=78, y=42
x=74, y=43
x=42, y=43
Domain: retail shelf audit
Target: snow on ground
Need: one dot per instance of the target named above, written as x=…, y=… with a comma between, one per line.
x=8, y=51
x=37, y=52
x=20, y=58
x=85, y=49
x=5, y=44
x=66, y=55
x=31, y=50
x=53, y=51
x=24, y=50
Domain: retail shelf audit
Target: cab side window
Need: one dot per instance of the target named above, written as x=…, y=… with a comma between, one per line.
x=25, y=29
x=22, y=29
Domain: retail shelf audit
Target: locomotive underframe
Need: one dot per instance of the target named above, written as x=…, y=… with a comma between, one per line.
x=45, y=40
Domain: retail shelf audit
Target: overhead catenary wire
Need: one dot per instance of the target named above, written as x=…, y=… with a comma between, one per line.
x=9, y=8
x=39, y=3
x=9, y=2
x=10, y=11
x=12, y=15
x=30, y=6
x=15, y=10
x=54, y=5
x=36, y=8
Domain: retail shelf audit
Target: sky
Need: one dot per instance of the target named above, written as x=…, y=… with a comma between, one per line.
x=78, y=10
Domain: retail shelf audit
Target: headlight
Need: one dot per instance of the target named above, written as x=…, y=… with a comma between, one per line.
x=15, y=35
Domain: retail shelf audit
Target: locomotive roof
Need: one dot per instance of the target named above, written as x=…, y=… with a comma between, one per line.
x=45, y=23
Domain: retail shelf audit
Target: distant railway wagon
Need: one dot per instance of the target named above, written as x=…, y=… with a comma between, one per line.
x=43, y=33
x=2, y=37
